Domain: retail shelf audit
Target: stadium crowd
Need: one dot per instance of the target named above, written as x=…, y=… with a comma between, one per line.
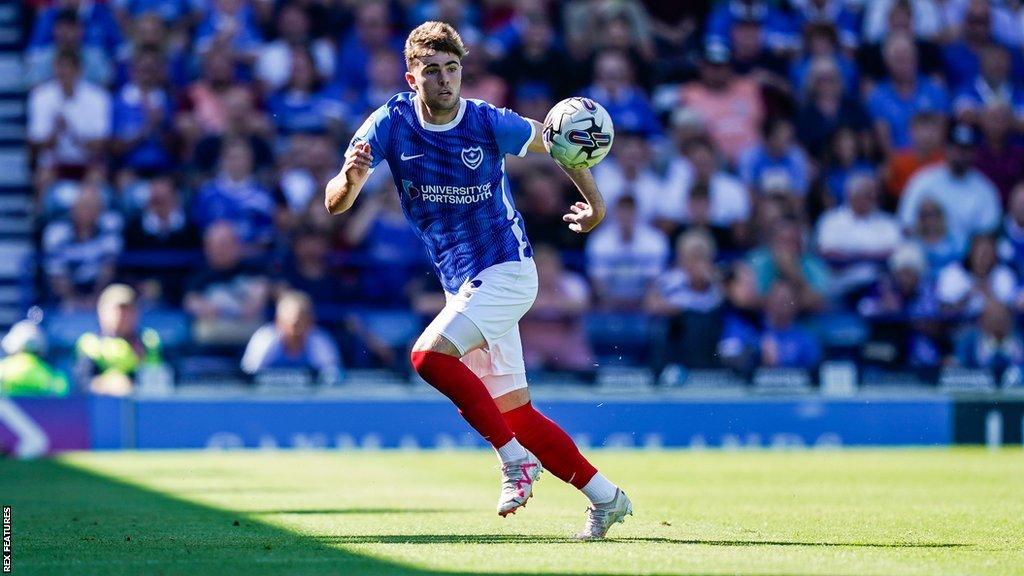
x=790, y=180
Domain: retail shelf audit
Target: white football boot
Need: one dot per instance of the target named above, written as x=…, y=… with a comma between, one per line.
x=600, y=517
x=517, y=480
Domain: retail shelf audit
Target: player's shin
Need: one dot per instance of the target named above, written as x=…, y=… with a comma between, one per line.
x=453, y=379
x=557, y=452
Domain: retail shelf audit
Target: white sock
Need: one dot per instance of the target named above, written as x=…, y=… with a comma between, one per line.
x=600, y=490
x=511, y=451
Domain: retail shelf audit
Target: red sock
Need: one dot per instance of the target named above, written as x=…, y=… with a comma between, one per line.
x=548, y=442
x=453, y=379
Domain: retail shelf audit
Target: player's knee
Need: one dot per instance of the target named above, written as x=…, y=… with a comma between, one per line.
x=436, y=343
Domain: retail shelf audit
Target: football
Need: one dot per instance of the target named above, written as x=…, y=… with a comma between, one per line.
x=578, y=133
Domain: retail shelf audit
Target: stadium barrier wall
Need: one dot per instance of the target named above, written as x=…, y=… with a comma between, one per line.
x=259, y=422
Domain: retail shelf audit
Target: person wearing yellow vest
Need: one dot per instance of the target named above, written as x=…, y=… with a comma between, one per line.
x=23, y=372
x=109, y=361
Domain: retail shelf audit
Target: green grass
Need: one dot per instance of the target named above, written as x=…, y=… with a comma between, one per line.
x=892, y=512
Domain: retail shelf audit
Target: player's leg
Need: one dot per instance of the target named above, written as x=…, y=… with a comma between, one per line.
x=505, y=379
x=454, y=332
x=436, y=358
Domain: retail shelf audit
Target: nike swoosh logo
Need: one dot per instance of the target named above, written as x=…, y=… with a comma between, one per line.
x=404, y=157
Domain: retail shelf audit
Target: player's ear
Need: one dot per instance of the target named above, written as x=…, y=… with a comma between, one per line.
x=411, y=80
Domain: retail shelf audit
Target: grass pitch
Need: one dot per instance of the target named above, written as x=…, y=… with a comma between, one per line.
x=892, y=512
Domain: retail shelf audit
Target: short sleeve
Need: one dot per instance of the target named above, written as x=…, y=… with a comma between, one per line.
x=512, y=132
x=376, y=131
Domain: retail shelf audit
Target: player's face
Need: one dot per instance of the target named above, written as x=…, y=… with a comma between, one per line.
x=437, y=79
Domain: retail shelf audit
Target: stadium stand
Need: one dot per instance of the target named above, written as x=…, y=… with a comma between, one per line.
x=864, y=160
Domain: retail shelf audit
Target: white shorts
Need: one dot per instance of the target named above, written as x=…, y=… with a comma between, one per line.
x=494, y=301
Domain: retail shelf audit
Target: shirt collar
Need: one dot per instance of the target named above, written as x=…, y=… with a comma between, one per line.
x=439, y=127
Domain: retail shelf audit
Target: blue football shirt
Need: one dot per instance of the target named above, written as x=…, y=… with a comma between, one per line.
x=452, y=181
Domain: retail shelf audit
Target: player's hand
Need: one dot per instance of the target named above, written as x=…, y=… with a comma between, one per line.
x=582, y=218
x=357, y=162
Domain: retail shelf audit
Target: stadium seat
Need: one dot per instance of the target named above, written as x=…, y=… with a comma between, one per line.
x=173, y=326
x=64, y=328
x=839, y=330
x=619, y=337
x=396, y=328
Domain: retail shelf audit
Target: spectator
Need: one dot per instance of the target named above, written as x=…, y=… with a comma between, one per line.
x=968, y=198
x=169, y=11
x=827, y=107
x=779, y=31
x=963, y=286
x=80, y=252
x=690, y=295
x=931, y=230
x=994, y=85
x=293, y=341
x=384, y=80
x=903, y=311
x=922, y=17
x=856, y=237
x=963, y=56
x=846, y=158
x=622, y=26
x=751, y=53
x=40, y=61
x=227, y=298
x=96, y=20
x=236, y=196
x=785, y=258
x=143, y=117
x=835, y=14
x=711, y=198
x=552, y=331
x=624, y=256
x=477, y=81
x=509, y=35
x=630, y=170
x=229, y=27
x=205, y=107
x=303, y=106
x=160, y=240
x=730, y=107
x=1005, y=27
x=1011, y=244
x=243, y=122
x=778, y=165
x=371, y=34
x=900, y=20
x=23, y=372
x=274, y=66
x=927, y=148
x=305, y=166
x=893, y=102
x=308, y=270
x=391, y=251
x=616, y=89
x=778, y=343
x=68, y=119
x=1000, y=156
x=108, y=361
x=538, y=61
x=821, y=43
x=993, y=343
x=150, y=32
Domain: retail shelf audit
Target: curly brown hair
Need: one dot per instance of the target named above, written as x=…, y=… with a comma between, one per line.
x=432, y=37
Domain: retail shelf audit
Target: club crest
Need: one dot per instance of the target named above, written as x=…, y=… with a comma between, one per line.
x=472, y=157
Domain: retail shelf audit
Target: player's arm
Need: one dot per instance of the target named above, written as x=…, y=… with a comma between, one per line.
x=343, y=189
x=583, y=216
